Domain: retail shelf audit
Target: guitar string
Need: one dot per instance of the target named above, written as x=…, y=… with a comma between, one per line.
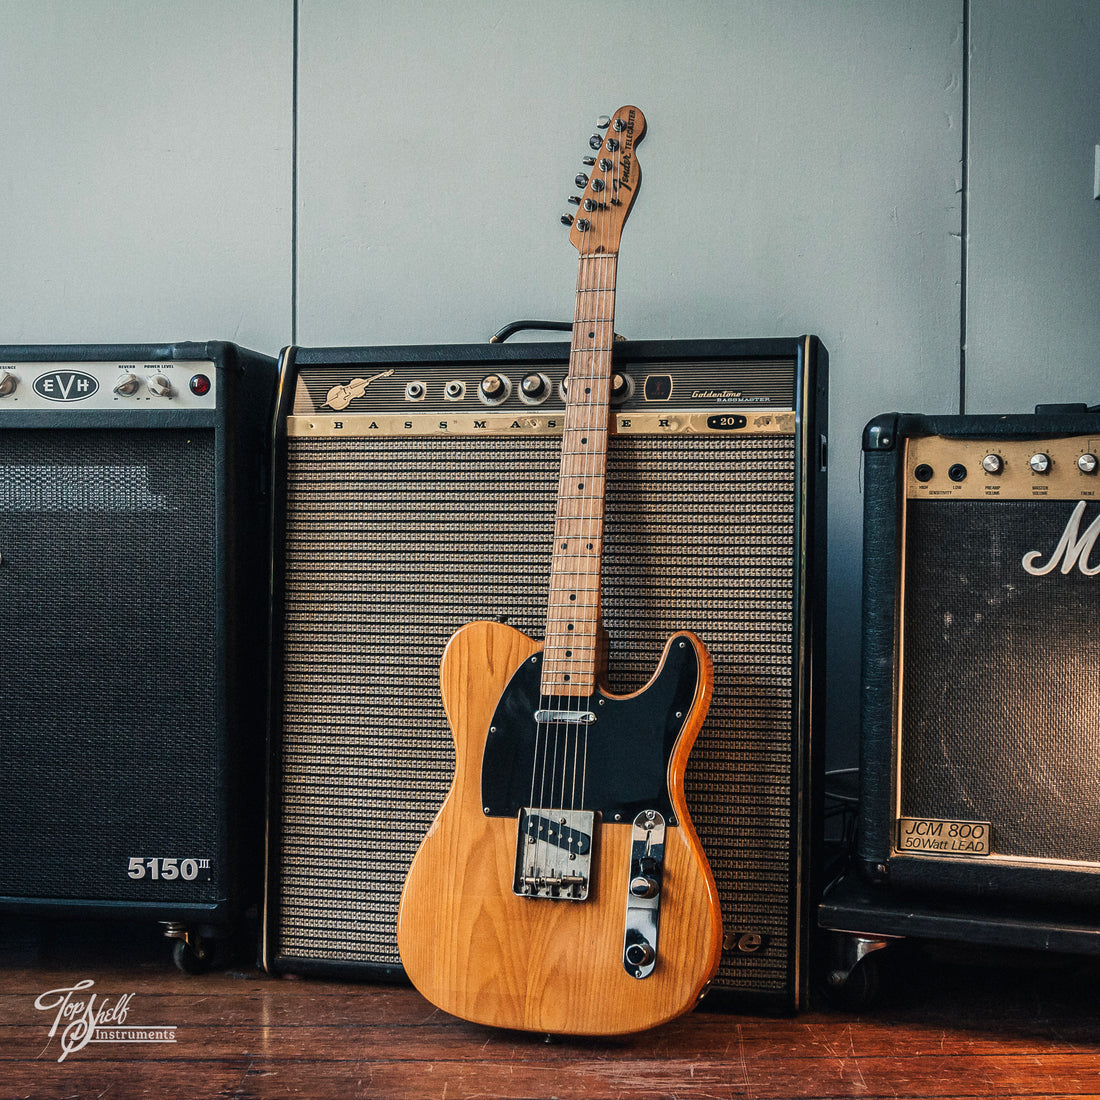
x=586, y=528
x=544, y=770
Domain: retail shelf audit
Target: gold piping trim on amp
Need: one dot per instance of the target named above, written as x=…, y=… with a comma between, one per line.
x=667, y=421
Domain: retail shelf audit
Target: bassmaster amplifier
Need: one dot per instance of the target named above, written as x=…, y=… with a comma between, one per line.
x=415, y=493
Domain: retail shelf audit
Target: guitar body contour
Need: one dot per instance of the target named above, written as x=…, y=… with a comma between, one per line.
x=477, y=949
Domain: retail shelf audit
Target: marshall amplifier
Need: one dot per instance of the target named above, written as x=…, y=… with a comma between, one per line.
x=133, y=567
x=415, y=493
x=981, y=663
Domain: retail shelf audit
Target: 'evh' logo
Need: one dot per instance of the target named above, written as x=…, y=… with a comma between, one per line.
x=65, y=385
x=1074, y=548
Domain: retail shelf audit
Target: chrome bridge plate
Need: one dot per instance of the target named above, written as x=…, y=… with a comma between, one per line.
x=554, y=854
x=567, y=717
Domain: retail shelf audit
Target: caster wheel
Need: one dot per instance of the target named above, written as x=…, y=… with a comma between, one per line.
x=860, y=987
x=195, y=957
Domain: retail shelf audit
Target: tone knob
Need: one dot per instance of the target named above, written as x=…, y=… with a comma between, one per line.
x=993, y=464
x=1040, y=463
x=1087, y=463
x=127, y=385
x=644, y=886
x=8, y=382
x=160, y=386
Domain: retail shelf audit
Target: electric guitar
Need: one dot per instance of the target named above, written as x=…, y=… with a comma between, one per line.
x=562, y=887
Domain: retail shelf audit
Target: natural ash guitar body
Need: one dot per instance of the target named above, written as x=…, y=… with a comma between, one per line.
x=478, y=950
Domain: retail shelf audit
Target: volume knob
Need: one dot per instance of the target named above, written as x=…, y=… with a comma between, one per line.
x=160, y=386
x=1040, y=463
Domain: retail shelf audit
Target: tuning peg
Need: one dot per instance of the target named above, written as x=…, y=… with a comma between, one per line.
x=589, y=161
x=575, y=200
x=581, y=180
x=591, y=205
x=567, y=219
x=584, y=225
x=603, y=122
x=595, y=141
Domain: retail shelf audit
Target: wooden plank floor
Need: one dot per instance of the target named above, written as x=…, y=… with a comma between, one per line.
x=948, y=1024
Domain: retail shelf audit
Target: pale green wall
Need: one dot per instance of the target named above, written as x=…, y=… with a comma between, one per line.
x=803, y=173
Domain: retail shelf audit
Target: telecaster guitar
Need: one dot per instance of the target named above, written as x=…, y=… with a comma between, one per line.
x=562, y=887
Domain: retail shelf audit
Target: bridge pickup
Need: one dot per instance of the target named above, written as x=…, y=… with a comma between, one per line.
x=554, y=854
x=555, y=830
x=570, y=717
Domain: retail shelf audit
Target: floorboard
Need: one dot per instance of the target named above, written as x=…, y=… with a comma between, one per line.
x=948, y=1023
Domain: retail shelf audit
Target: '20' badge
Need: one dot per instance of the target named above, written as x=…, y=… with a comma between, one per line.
x=65, y=385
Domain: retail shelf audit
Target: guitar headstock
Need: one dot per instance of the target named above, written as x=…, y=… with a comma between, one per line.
x=610, y=183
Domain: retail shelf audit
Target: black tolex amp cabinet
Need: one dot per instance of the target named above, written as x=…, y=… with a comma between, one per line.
x=415, y=493
x=981, y=663
x=133, y=566
x=981, y=689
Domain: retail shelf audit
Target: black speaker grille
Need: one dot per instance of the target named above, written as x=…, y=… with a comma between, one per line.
x=391, y=545
x=1001, y=698
x=107, y=564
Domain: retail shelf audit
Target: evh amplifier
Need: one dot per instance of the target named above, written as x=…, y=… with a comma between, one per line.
x=981, y=663
x=415, y=493
x=133, y=566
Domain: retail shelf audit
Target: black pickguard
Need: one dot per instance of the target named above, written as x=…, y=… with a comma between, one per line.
x=616, y=765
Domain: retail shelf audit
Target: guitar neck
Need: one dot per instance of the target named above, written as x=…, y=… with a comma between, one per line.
x=573, y=621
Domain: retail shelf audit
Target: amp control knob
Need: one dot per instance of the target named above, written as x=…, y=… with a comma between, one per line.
x=127, y=385
x=8, y=382
x=1040, y=463
x=534, y=387
x=622, y=386
x=493, y=389
x=160, y=386
x=1087, y=463
x=993, y=464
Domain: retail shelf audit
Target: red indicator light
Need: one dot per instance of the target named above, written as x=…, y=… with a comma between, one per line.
x=200, y=385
